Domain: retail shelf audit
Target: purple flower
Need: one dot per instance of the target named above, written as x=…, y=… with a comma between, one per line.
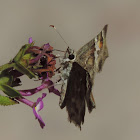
x=47, y=83
x=46, y=46
x=30, y=40
x=39, y=106
x=50, y=85
x=30, y=92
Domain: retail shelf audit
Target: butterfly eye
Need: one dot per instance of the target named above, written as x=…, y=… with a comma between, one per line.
x=71, y=56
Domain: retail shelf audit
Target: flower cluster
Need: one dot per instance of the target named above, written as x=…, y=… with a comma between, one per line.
x=35, y=62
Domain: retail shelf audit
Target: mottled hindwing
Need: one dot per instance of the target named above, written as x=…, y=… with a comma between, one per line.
x=78, y=75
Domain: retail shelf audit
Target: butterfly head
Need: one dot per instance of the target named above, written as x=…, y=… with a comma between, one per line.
x=70, y=54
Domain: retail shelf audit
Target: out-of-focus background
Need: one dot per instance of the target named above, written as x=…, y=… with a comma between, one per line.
x=117, y=87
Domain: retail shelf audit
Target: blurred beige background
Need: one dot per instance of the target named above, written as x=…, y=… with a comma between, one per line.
x=117, y=87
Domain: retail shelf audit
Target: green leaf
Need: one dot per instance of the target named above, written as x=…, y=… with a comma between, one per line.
x=27, y=56
x=21, y=53
x=5, y=101
x=37, y=66
x=9, y=91
x=25, y=59
x=24, y=70
x=4, y=80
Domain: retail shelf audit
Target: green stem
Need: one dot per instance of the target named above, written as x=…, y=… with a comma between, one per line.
x=6, y=66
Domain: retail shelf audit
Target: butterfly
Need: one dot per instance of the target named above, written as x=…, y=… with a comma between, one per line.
x=77, y=71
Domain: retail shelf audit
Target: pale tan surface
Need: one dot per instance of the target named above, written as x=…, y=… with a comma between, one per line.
x=117, y=87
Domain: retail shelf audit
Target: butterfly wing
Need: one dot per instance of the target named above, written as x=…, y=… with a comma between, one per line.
x=92, y=57
x=78, y=78
x=75, y=94
x=93, y=54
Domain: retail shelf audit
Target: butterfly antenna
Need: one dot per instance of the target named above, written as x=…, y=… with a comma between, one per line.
x=59, y=34
x=58, y=50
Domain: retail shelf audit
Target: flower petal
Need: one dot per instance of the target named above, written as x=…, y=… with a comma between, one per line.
x=30, y=92
x=39, y=106
x=41, y=122
x=50, y=85
x=30, y=40
x=39, y=102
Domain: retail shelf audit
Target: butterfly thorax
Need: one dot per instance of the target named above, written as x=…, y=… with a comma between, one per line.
x=66, y=66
